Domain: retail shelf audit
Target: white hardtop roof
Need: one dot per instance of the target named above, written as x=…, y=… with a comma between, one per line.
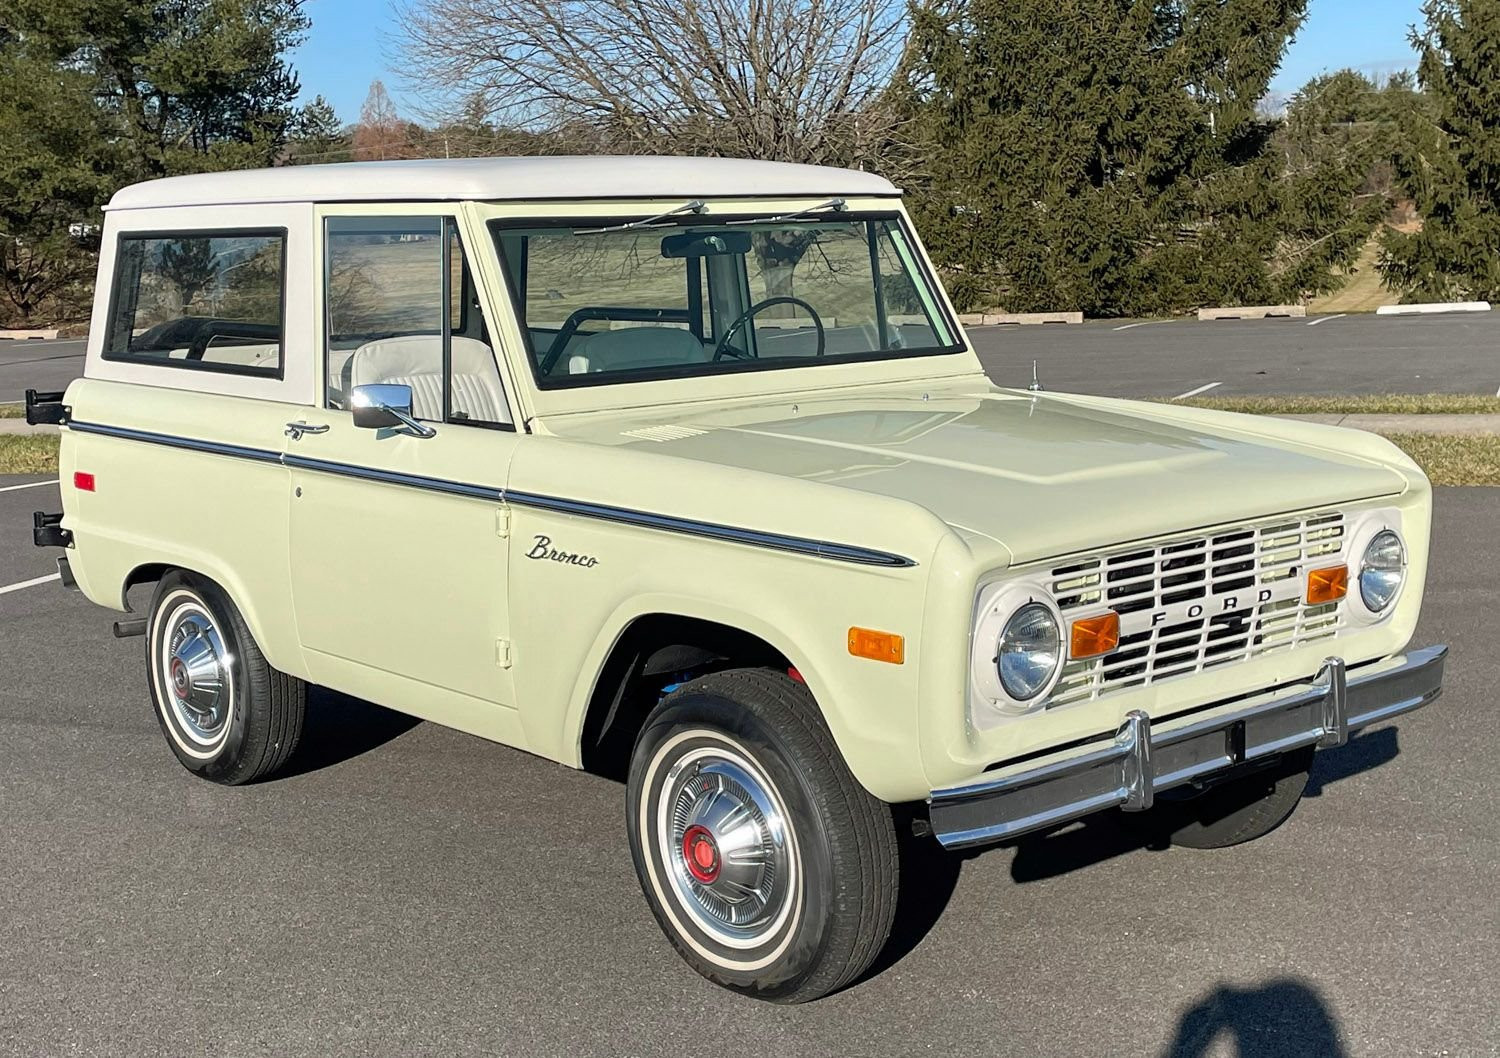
x=500, y=179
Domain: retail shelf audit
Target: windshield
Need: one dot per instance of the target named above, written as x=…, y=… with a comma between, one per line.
x=672, y=300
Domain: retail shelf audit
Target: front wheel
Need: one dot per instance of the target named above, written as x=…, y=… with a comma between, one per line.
x=772, y=871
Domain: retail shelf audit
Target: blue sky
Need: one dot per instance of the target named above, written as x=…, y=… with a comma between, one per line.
x=349, y=46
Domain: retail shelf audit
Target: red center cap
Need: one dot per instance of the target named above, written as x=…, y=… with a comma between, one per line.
x=179, y=678
x=701, y=853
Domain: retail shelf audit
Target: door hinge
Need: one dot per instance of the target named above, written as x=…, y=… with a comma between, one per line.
x=502, y=653
x=502, y=522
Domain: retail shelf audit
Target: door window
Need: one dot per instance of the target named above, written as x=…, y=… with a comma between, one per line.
x=402, y=308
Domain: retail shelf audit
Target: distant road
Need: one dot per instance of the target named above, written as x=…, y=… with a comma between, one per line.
x=1321, y=354
x=38, y=365
x=1124, y=358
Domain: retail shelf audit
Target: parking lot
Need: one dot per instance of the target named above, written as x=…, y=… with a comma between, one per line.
x=1319, y=354
x=410, y=890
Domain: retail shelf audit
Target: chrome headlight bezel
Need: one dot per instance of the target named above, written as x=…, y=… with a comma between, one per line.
x=1367, y=581
x=998, y=605
x=1358, y=610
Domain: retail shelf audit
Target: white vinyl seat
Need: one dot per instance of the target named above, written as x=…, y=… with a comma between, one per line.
x=633, y=348
x=416, y=360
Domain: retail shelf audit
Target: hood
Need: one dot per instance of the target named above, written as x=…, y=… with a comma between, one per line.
x=1042, y=475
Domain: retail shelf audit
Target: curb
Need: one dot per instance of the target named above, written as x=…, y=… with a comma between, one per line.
x=1448, y=425
x=21, y=428
x=1253, y=312
x=998, y=319
x=1432, y=307
x=22, y=336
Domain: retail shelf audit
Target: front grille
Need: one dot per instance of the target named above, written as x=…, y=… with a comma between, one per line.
x=1189, y=604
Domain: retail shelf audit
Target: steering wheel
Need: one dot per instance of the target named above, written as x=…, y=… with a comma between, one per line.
x=722, y=349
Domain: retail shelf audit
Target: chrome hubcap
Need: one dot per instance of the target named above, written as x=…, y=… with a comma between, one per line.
x=723, y=834
x=195, y=672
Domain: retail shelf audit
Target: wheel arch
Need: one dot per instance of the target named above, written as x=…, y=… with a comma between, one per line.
x=647, y=652
x=279, y=650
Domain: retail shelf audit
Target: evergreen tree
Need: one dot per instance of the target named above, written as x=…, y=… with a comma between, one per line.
x=56, y=161
x=1108, y=155
x=191, y=84
x=1450, y=166
x=317, y=135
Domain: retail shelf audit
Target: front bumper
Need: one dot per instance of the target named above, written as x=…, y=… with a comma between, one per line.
x=1141, y=759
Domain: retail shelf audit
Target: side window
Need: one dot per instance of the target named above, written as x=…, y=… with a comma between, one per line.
x=401, y=307
x=207, y=301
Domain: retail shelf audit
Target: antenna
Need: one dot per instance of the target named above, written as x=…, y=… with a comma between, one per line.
x=1035, y=385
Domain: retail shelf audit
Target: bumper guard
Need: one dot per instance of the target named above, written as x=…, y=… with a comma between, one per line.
x=1128, y=771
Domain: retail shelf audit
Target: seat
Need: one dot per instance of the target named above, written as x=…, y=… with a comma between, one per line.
x=416, y=360
x=633, y=348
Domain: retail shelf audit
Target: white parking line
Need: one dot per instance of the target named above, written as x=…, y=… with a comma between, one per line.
x=1143, y=323
x=29, y=583
x=1195, y=392
x=1325, y=319
x=28, y=485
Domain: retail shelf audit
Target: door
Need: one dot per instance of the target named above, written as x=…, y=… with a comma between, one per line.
x=398, y=536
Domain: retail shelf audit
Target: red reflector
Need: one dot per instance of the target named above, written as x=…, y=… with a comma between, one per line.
x=795, y=675
x=83, y=482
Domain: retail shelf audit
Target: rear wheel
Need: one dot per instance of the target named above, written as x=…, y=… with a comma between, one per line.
x=1235, y=811
x=772, y=871
x=227, y=714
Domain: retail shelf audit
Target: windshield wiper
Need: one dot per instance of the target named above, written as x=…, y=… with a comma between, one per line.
x=838, y=205
x=695, y=206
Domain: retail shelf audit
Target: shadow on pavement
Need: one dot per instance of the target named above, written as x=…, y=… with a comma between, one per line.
x=1285, y=1018
x=929, y=874
x=1363, y=751
x=340, y=728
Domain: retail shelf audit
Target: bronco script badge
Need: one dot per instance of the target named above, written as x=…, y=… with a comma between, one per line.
x=543, y=550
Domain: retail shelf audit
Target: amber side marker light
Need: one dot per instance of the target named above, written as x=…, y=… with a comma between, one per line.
x=877, y=646
x=1327, y=585
x=1093, y=636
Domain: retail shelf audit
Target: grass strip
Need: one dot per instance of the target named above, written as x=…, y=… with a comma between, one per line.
x=1360, y=404
x=12, y=411
x=1453, y=459
x=28, y=454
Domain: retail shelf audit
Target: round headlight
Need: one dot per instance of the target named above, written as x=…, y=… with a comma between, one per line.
x=1381, y=570
x=1029, y=651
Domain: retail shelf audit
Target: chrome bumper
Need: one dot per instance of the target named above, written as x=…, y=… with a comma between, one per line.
x=1138, y=762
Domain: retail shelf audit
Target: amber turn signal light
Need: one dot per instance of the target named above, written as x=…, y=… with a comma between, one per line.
x=1327, y=585
x=877, y=646
x=1093, y=636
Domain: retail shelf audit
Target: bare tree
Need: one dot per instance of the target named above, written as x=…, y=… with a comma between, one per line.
x=381, y=134
x=790, y=80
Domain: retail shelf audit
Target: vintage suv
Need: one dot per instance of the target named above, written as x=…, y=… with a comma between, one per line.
x=683, y=471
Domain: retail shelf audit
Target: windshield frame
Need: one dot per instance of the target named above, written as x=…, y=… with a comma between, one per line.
x=551, y=383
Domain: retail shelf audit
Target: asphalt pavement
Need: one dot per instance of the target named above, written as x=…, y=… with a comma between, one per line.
x=1457, y=353
x=408, y=890
x=36, y=364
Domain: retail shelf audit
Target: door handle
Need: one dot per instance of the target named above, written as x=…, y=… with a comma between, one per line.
x=295, y=430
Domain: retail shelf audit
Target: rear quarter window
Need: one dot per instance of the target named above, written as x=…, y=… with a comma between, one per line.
x=204, y=301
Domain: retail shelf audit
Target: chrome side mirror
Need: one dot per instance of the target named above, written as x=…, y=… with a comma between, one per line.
x=382, y=405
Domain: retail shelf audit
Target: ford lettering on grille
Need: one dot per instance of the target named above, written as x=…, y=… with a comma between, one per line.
x=1192, y=603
